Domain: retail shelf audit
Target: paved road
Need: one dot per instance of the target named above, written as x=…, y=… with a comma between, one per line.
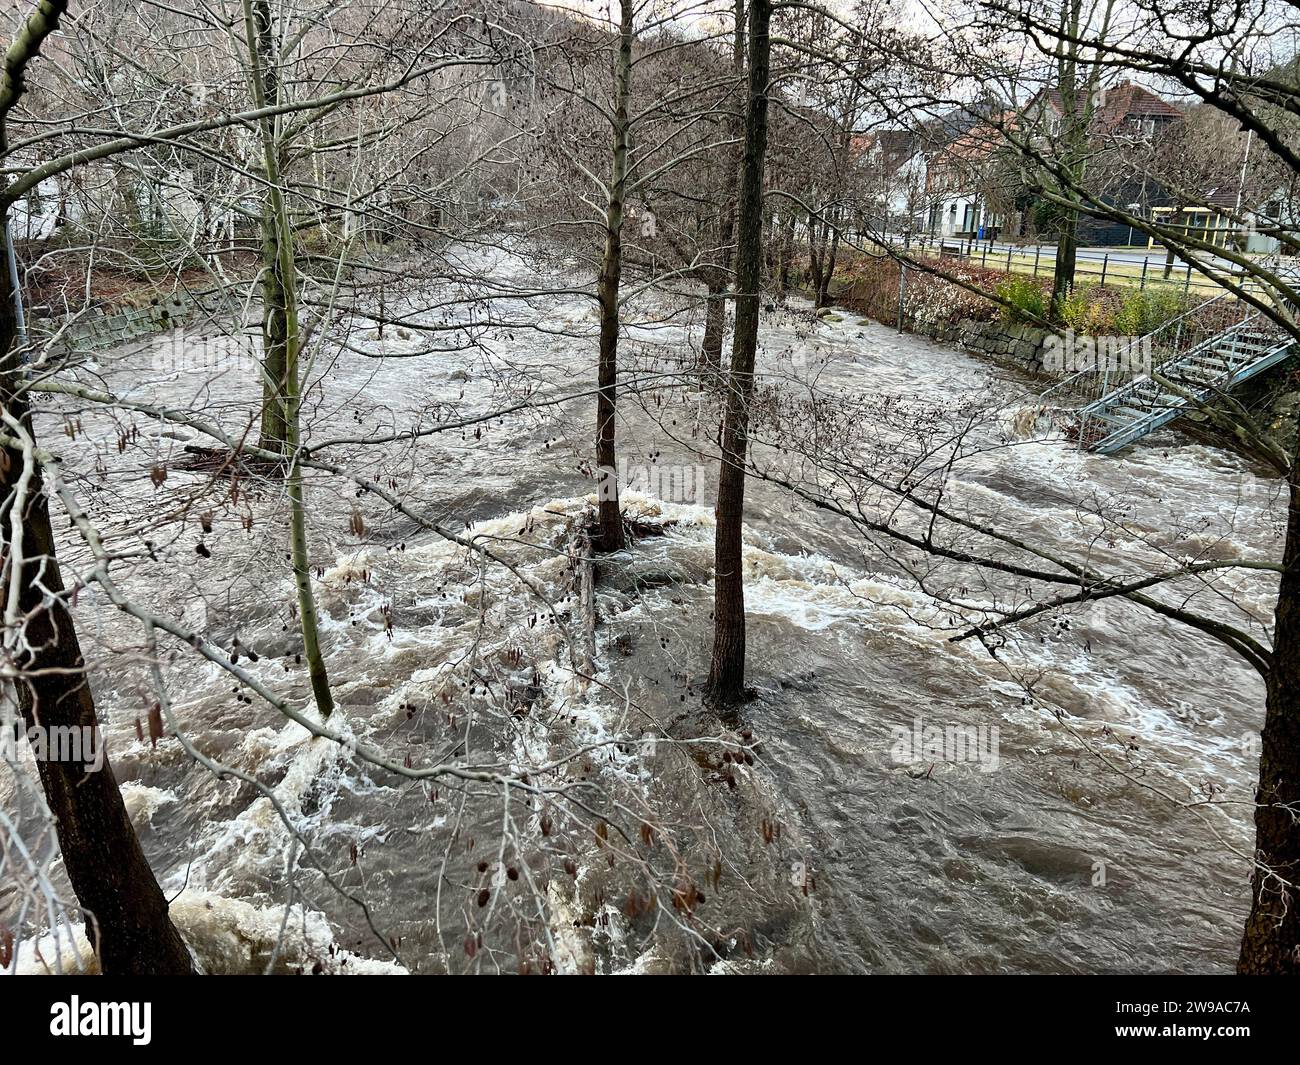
x=1287, y=267
x=1047, y=253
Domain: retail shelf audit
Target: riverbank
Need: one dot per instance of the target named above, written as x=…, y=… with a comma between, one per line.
x=933, y=307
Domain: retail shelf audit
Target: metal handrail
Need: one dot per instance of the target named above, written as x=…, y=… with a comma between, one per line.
x=1089, y=375
x=1197, y=389
x=1113, y=398
x=1212, y=343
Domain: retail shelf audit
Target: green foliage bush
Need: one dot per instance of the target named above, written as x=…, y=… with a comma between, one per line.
x=1146, y=309
x=1027, y=298
x=1089, y=309
x=1135, y=312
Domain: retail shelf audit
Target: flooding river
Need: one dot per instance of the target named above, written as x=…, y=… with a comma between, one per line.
x=1075, y=838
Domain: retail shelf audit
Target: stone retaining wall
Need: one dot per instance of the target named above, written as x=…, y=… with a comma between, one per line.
x=1018, y=346
x=106, y=327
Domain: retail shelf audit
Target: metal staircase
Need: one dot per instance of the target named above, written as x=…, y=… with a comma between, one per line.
x=1194, y=357
x=1178, y=384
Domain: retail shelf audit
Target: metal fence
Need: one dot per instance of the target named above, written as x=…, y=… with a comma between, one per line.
x=1135, y=268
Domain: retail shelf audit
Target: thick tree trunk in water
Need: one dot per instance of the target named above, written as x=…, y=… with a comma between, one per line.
x=816, y=237
x=284, y=266
x=828, y=269
x=126, y=912
x=610, y=533
x=1271, y=942
x=726, y=684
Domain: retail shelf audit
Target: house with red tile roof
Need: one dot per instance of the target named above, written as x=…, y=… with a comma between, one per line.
x=971, y=195
x=892, y=165
x=1125, y=110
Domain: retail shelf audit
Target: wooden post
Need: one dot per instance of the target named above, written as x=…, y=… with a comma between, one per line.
x=1145, y=263
x=1105, y=261
x=585, y=587
x=1038, y=250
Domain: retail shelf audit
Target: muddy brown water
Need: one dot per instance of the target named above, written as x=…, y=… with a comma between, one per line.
x=1074, y=852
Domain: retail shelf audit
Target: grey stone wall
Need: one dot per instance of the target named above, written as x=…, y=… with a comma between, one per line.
x=1020, y=347
x=106, y=327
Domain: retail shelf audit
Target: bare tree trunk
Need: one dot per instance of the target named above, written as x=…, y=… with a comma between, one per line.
x=715, y=325
x=1077, y=110
x=130, y=202
x=715, y=310
x=255, y=11
x=828, y=268
x=126, y=912
x=816, y=238
x=786, y=253
x=610, y=533
x=275, y=341
x=1271, y=942
x=1066, y=254
x=726, y=684
x=275, y=326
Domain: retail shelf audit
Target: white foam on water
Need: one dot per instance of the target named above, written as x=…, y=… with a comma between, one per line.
x=227, y=937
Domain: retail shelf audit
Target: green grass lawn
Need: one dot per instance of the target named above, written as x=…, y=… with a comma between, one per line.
x=1089, y=271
